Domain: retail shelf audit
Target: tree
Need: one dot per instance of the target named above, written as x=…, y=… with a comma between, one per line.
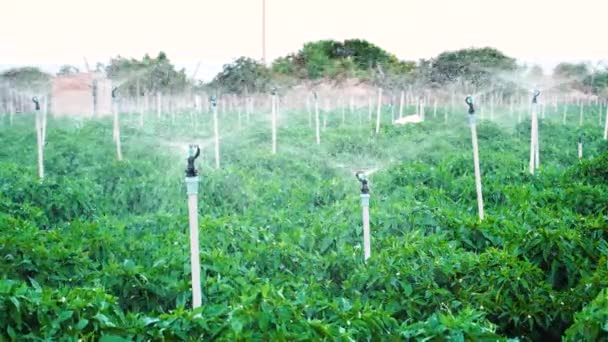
x=151, y=74
x=244, y=75
x=572, y=73
x=475, y=66
x=67, y=70
x=26, y=79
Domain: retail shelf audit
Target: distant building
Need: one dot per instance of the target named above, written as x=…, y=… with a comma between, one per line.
x=83, y=94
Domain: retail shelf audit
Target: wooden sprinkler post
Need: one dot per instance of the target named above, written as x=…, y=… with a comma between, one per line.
x=116, y=130
x=216, y=131
x=580, y=147
x=317, y=123
x=192, y=191
x=379, y=110
x=40, y=135
x=473, y=124
x=367, y=251
x=369, y=109
x=534, y=145
x=274, y=120
x=606, y=124
x=401, y=100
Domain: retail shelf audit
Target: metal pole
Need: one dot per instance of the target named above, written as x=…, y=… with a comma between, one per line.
x=192, y=191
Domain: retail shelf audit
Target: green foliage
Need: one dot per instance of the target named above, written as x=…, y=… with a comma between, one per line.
x=335, y=60
x=146, y=75
x=473, y=65
x=99, y=249
x=243, y=76
x=26, y=79
x=591, y=324
x=65, y=70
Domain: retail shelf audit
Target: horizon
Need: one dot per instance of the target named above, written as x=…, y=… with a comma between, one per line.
x=546, y=32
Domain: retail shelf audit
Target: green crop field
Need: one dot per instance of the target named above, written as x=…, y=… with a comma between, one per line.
x=99, y=248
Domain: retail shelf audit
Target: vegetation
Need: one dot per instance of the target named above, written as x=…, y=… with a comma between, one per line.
x=98, y=250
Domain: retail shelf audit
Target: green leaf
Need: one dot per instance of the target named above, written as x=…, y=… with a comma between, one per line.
x=81, y=324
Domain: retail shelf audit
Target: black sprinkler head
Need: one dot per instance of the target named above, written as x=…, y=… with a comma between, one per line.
x=535, y=95
x=469, y=101
x=193, y=152
x=273, y=91
x=36, y=103
x=361, y=177
x=114, y=91
x=213, y=100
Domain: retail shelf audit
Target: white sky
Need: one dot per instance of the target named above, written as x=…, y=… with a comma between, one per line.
x=54, y=32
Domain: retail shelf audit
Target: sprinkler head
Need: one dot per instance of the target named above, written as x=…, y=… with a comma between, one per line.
x=273, y=91
x=213, y=100
x=535, y=95
x=114, y=91
x=469, y=101
x=193, y=152
x=314, y=93
x=36, y=103
x=361, y=177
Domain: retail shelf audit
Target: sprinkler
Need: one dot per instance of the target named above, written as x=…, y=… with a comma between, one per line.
x=361, y=177
x=472, y=122
x=192, y=192
x=190, y=169
x=36, y=103
x=535, y=95
x=469, y=102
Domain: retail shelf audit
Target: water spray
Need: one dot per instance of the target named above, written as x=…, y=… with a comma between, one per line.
x=473, y=125
x=216, y=133
x=365, y=211
x=534, y=145
x=192, y=192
